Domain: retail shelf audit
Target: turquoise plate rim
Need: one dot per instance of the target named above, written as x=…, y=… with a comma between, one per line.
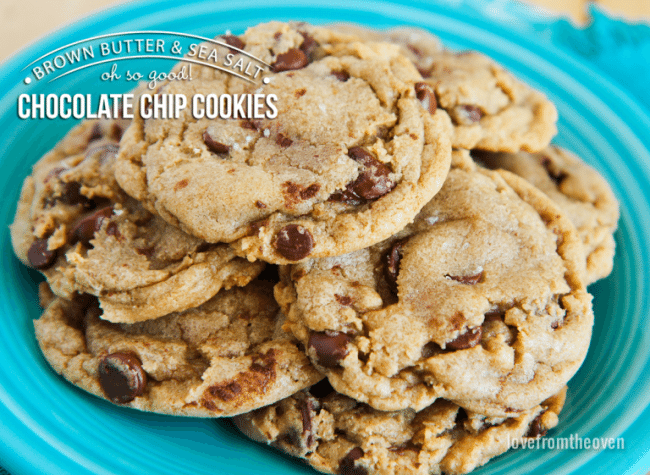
x=46, y=425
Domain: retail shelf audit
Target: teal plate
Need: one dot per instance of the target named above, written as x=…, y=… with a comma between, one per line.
x=47, y=426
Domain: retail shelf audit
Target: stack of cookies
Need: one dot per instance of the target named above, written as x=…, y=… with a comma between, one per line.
x=388, y=277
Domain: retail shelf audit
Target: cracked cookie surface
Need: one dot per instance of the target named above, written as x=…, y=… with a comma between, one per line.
x=417, y=44
x=75, y=225
x=336, y=434
x=579, y=190
x=224, y=357
x=490, y=108
x=480, y=301
x=351, y=157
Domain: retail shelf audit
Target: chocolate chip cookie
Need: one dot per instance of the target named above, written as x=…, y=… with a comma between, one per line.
x=481, y=301
x=356, y=149
x=416, y=44
x=224, y=357
x=75, y=225
x=489, y=107
x=579, y=190
x=336, y=434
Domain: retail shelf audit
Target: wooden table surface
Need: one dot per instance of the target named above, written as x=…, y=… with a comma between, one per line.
x=24, y=21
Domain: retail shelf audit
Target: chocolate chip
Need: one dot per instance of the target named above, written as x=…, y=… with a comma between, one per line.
x=373, y=181
x=39, y=256
x=116, y=132
x=466, y=340
x=361, y=155
x=294, y=242
x=472, y=279
x=427, y=96
x=321, y=389
x=306, y=409
x=213, y=145
x=347, y=464
x=310, y=191
x=343, y=300
x=95, y=133
x=283, y=141
x=493, y=316
x=347, y=197
x=341, y=75
x=226, y=391
x=121, y=377
x=309, y=45
x=294, y=193
x=254, y=228
x=536, y=428
x=557, y=176
x=72, y=196
x=466, y=114
x=72, y=193
x=85, y=229
x=330, y=347
x=248, y=124
x=233, y=40
x=148, y=252
x=391, y=264
x=260, y=204
x=291, y=60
